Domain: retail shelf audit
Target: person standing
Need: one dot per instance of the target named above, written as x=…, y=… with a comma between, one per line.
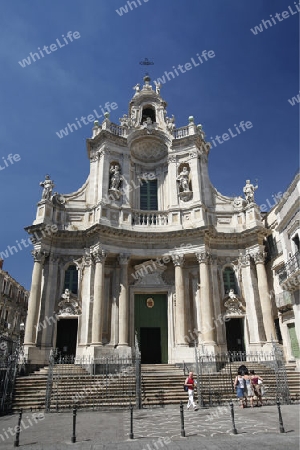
x=256, y=387
x=191, y=383
x=240, y=385
x=249, y=388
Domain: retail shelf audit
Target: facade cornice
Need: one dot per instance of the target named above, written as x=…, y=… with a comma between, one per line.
x=210, y=235
x=102, y=137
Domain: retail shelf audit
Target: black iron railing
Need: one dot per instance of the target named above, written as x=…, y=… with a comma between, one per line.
x=291, y=266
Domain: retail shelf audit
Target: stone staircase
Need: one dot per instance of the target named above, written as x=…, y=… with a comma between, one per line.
x=161, y=384
x=72, y=385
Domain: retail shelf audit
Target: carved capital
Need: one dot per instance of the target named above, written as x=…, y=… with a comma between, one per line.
x=99, y=256
x=123, y=259
x=39, y=256
x=244, y=260
x=203, y=257
x=87, y=260
x=178, y=260
x=54, y=258
x=259, y=257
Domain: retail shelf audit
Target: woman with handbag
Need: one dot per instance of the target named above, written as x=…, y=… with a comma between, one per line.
x=256, y=387
x=191, y=383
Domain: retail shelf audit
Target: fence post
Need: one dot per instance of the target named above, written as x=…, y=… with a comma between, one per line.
x=138, y=382
x=182, y=433
x=131, y=422
x=281, y=428
x=199, y=390
x=234, y=430
x=138, y=374
x=49, y=381
x=73, y=438
x=17, y=440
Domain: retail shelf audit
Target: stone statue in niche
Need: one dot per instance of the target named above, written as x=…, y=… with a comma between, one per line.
x=185, y=193
x=48, y=186
x=148, y=125
x=183, y=179
x=249, y=191
x=115, y=179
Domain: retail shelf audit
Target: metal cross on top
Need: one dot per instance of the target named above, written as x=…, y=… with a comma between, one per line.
x=146, y=62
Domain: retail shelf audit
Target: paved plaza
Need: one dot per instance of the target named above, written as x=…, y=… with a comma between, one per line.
x=157, y=428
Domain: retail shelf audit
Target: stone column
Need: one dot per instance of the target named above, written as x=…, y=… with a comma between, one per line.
x=123, y=301
x=97, y=322
x=84, y=337
x=178, y=261
x=251, y=296
x=207, y=311
x=265, y=300
x=34, y=299
x=48, y=312
x=114, y=322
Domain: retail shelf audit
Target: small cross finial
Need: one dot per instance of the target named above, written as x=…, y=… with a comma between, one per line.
x=146, y=62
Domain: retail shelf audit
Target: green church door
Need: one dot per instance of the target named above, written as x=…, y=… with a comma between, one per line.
x=151, y=324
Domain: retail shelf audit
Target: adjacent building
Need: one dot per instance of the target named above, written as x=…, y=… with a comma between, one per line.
x=13, y=307
x=284, y=251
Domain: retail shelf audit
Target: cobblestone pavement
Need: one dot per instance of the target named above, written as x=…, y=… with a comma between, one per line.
x=155, y=429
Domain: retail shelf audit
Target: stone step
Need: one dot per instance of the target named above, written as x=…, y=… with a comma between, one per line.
x=160, y=383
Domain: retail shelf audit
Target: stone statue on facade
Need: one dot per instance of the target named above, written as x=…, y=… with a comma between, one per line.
x=124, y=121
x=157, y=88
x=69, y=304
x=48, y=186
x=249, y=191
x=115, y=179
x=183, y=179
x=233, y=304
x=170, y=124
x=137, y=88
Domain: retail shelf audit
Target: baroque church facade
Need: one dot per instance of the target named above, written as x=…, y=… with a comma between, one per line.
x=148, y=249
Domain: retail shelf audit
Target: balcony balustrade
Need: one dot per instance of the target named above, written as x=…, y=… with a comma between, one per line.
x=284, y=300
x=290, y=268
x=149, y=218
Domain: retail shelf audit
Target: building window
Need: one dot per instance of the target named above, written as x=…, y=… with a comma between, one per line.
x=71, y=279
x=229, y=280
x=148, y=195
x=295, y=239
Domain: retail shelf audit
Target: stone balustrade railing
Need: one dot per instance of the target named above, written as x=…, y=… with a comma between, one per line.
x=119, y=130
x=181, y=132
x=149, y=218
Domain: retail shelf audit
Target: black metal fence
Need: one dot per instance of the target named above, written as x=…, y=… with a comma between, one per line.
x=216, y=373
x=11, y=363
x=93, y=383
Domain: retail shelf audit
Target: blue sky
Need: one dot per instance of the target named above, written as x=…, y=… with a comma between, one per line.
x=250, y=78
